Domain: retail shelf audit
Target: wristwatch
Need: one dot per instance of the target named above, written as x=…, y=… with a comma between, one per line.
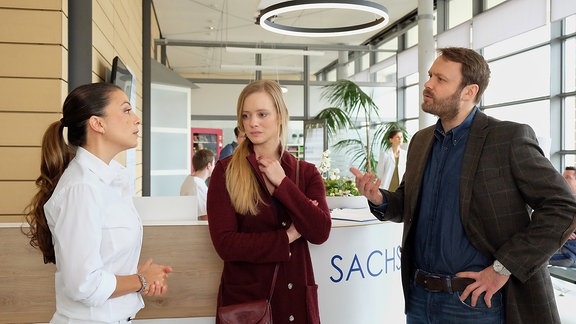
x=143, y=282
x=500, y=268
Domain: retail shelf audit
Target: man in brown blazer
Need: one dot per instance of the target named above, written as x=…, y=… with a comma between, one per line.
x=483, y=209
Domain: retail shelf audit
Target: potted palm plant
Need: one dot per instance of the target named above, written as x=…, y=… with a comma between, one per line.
x=353, y=109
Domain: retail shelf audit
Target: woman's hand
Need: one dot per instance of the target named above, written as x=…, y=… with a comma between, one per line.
x=272, y=169
x=157, y=277
x=292, y=233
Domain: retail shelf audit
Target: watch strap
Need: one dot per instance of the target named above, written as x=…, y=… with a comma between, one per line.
x=143, y=282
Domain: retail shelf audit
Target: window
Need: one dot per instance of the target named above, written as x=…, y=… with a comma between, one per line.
x=391, y=45
x=365, y=61
x=459, y=11
x=385, y=99
x=387, y=74
x=412, y=101
x=412, y=126
x=570, y=25
x=350, y=68
x=536, y=114
x=516, y=43
x=570, y=123
x=412, y=37
x=522, y=76
x=570, y=65
x=492, y=3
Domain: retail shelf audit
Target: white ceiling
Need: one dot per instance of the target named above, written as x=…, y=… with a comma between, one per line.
x=233, y=21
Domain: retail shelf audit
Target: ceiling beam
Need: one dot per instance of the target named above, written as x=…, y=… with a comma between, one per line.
x=319, y=47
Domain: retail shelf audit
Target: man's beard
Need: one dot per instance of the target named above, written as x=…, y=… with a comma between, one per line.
x=444, y=108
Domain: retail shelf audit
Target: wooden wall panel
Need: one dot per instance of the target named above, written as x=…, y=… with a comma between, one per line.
x=64, y=30
x=33, y=60
x=28, y=296
x=102, y=45
x=22, y=129
x=34, y=39
x=31, y=26
x=12, y=219
x=35, y=4
x=102, y=17
x=101, y=66
x=19, y=163
x=32, y=95
x=106, y=6
x=16, y=195
x=33, y=43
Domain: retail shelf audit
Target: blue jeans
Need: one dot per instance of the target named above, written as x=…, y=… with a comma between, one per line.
x=424, y=307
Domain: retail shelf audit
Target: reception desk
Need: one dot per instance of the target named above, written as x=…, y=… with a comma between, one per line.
x=357, y=270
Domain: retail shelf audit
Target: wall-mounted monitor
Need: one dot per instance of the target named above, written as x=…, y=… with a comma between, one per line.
x=121, y=76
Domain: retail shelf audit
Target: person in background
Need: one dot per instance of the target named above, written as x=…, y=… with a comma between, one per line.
x=259, y=217
x=195, y=184
x=566, y=256
x=229, y=148
x=83, y=219
x=392, y=162
x=471, y=250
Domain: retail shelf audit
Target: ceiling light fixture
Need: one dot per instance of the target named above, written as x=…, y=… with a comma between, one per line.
x=267, y=15
x=273, y=51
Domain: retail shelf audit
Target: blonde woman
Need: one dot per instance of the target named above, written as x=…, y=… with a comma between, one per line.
x=258, y=216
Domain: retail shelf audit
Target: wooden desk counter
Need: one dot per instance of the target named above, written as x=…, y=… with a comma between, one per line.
x=27, y=284
x=359, y=259
x=193, y=286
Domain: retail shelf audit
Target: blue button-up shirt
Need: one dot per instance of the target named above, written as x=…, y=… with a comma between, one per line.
x=441, y=245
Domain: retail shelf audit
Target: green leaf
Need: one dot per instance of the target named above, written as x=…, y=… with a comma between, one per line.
x=336, y=119
x=351, y=105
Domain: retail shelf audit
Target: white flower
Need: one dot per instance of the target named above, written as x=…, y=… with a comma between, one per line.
x=324, y=166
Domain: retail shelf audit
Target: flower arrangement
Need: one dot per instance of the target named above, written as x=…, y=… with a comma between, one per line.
x=335, y=184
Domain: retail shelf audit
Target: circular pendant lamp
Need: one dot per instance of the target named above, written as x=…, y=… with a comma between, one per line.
x=268, y=15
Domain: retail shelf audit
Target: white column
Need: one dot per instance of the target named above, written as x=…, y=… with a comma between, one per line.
x=426, y=53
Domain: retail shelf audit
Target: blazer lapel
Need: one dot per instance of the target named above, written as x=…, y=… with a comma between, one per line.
x=418, y=157
x=474, y=146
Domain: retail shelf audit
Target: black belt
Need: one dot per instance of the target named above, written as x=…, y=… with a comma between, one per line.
x=441, y=283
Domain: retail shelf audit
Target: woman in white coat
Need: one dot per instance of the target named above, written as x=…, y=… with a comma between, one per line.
x=392, y=162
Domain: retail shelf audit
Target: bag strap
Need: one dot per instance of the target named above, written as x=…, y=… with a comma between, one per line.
x=273, y=281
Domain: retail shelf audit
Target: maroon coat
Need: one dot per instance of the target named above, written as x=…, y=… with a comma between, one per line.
x=252, y=245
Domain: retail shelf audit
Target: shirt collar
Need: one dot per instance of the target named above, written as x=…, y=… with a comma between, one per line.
x=458, y=131
x=106, y=172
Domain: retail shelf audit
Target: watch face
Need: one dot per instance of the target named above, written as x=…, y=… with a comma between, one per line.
x=500, y=269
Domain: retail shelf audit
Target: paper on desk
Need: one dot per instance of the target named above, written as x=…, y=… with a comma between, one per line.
x=353, y=215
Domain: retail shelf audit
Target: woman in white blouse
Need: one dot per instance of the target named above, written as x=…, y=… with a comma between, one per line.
x=83, y=218
x=392, y=162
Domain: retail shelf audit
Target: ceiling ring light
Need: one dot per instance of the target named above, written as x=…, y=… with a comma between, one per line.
x=268, y=14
